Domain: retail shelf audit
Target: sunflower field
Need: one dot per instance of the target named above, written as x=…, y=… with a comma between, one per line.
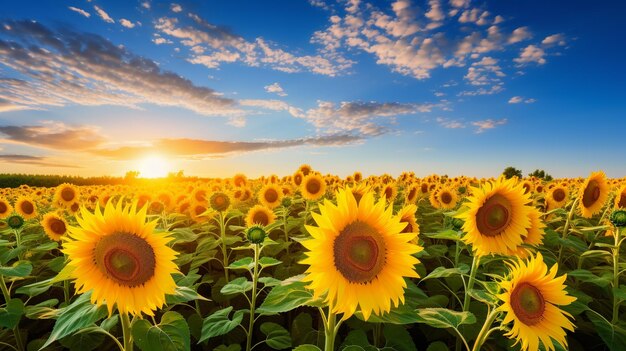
x=315, y=262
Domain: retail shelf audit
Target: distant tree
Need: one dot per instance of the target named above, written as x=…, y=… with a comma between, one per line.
x=131, y=176
x=511, y=172
x=540, y=173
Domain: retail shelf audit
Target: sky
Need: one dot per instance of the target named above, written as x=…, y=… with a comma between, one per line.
x=214, y=88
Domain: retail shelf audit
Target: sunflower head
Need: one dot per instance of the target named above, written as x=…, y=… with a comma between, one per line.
x=620, y=197
x=219, y=201
x=119, y=257
x=531, y=298
x=256, y=234
x=357, y=255
x=240, y=180
x=5, y=208
x=26, y=207
x=260, y=215
x=407, y=215
x=313, y=187
x=270, y=195
x=66, y=194
x=593, y=194
x=54, y=226
x=15, y=221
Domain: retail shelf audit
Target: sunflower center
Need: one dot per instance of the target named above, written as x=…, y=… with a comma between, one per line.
x=528, y=303
x=260, y=217
x=27, y=207
x=526, y=188
x=424, y=188
x=412, y=194
x=313, y=186
x=558, y=195
x=271, y=195
x=591, y=193
x=621, y=204
x=388, y=193
x=494, y=216
x=409, y=226
x=67, y=194
x=57, y=226
x=359, y=251
x=446, y=198
x=3, y=207
x=125, y=258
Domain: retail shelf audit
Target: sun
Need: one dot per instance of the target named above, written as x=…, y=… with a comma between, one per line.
x=153, y=167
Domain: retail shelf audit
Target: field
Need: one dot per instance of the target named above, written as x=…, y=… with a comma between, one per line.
x=315, y=262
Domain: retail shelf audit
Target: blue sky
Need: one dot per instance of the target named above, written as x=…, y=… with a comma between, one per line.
x=220, y=87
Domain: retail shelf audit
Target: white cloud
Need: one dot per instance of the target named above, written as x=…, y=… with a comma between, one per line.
x=554, y=39
x=126, y=23
x=176, y=8
x=488, y=124
x=275, y=88
x=105, y=16
x=459, y=3
x=520, y=34
x=159, y=41
x=146, y=5
x=80, y=11
x=531, y=53
x=516, y=100
x=450, y=124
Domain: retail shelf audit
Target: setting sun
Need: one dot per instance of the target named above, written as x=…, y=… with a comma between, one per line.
x=153, y=167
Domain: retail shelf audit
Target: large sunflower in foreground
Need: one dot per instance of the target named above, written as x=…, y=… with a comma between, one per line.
x=118, y=256
x=531, y=298
x=358, y=256
x=497, y=218
x=593, y=194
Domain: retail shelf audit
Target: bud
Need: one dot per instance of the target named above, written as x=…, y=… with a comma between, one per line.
x=220, y=201
x=256, y=234
x=457, y=223
x=618, y=218
x=15, y=221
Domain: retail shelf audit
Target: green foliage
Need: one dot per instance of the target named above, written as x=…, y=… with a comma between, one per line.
x=511, y=172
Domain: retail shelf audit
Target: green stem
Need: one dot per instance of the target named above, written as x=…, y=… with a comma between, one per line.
x=5, y=290
x=255, y=278
x=330, y=331
x=18, y=338
x=484, y=332
x=224, y=249
x=616, y=234
x=286, y=210
x=18, y=241
x=66, y=291
x=470, y=283
x=566, y=228
x=126, y=330
x=377, y=332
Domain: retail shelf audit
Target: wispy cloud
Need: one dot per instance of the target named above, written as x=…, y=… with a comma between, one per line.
x=554, y=39
x=488, y=124
x=52, y=135
x=519, y=99
x=80, y=11
x=56, y=72
x=126, y=23
x=275, y=88
x=176, y=8
x=32, y=160
x=450, y=123
x=102, y=14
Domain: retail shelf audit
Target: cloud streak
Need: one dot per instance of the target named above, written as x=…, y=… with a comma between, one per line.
x=32, y=160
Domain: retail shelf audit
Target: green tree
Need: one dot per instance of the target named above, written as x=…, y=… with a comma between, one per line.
x=540, y=173
x=511, y=172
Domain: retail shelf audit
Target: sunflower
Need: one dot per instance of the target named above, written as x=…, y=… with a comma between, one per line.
x=26, y=207
x=534, y=235
x=260, y=215
x=531, y=298
x=5, y=208
x=54, y=226
x=219, y=201
x=359, y=190
x=557, y=196
x=357, y=176
x=66, y=194
x=198, y=212
x=270, y=195
x=620, y=198
x=305, y=169
x=199, y=195
x=412, y=193
x=120, y=257
x=497, y=217
x=434, y=199
x=313, y=187
x=389, y=192
x=358, y=256
x=407, y=215
x=240, y=180
x=593, y=194
x=297, y=178
x=447, y=197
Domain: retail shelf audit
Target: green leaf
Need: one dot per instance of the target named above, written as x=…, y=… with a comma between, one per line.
x=307, y=347
x=292, y=293
x=269, y=281
x=398, y=338
x=442, y=272
x=169, y=335
x=36, y=311
x=80, y=314
x=50, y=245
x=447, y=234
x=35, y=289
x=183, y=294
x=237, y=286
x=620, y=293
x=438, y=346
x=64, y=274
x=445, y=318
x=83, y=341
x=483, y=296
x=18, y=269
x=10, y=314
x=277, y=337
x=588, y=277
x=302, y=331
x=268, y=262
x=184, y=235
x=613, y=336
x=244, y=263
x=219, y=324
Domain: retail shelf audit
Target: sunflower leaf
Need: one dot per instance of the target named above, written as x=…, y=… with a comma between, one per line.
x=442, y=272
x=444, y=318
x=277, y=337
x=287, y=296
x=10, y=314
x=18, y=269
x=219, y=324
x=237, y=286
x=171, y=334
x=268, y=262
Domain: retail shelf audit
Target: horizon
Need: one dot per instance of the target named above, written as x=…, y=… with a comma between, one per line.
x=456, y=87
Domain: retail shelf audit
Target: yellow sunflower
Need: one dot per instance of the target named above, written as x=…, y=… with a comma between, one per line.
x=407, y=215
x=220, y=201
x=26, y=207
x=620, y=198
x=66, y=194
x=531, y=298
x=240, y=180
x=412, y=193
x=593, y=194
x=447, y=197
x=271, y=195
x=54, y=226
x=5, y=208
x=389, y=192
x=305, y=169
x=121, y=259
x=497, y=217
x=357, y=256
x=260, y=215
x=534, y=235
x=313, y=187
x=557, y=196
x=297, y=178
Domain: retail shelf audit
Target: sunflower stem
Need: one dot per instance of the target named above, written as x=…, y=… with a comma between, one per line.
x=566, y=228
x=224, y=249
x=484, y=332
x=285, y=211
x=255, y=278
x=470, y=283
x=5, y=290
x=616, y=301
x=18, y=242
x=126, y=331
x=329, y=330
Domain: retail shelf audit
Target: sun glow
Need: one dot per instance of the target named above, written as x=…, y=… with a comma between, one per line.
x=153, y=167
